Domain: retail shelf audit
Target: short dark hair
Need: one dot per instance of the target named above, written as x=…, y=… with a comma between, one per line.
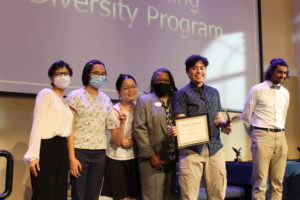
x=193, y=59
x=120, y=80
x=87, y=70
x=163, y=70
x=57, y=65
x=273, y=66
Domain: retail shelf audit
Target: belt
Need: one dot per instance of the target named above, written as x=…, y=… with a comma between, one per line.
x=269, y=129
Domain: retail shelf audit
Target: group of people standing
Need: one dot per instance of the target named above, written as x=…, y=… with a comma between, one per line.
x=141, y=157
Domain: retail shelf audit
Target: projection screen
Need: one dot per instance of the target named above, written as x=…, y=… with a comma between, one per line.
x=130, y=36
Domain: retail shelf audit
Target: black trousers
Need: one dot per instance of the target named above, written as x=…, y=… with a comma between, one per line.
x=52, y=180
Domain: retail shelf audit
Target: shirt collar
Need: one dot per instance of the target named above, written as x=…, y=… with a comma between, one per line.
x=271, y=85
x=196, y=88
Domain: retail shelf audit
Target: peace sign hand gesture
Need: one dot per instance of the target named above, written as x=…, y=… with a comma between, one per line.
x=122, y=116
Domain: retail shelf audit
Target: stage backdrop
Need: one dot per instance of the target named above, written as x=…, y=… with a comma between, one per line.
x=130, y=36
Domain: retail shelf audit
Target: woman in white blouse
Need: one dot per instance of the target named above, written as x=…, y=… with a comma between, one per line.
x=47, y=155
x=87, y=142
x=121, y=175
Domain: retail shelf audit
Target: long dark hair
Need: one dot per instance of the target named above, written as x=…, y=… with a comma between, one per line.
x=163, y=70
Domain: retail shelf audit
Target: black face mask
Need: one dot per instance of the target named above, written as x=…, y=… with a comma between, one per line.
x=162, y=89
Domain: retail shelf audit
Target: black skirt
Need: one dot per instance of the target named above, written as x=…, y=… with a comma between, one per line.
x=121, y=179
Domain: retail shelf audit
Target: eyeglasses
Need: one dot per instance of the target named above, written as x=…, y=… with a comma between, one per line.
x=61, y=73
x=96, y=73
x=133, y=87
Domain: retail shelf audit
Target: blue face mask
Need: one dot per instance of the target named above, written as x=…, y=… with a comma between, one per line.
x=97, y=81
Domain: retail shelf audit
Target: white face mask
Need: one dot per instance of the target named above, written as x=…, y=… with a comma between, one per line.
x=62, y=81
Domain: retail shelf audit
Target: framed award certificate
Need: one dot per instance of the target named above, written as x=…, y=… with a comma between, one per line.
x=192, y=130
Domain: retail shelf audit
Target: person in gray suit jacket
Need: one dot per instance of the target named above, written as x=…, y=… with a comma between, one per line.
x=157, y=154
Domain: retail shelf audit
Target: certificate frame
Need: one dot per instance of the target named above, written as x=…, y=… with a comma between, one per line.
x=192, y=130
